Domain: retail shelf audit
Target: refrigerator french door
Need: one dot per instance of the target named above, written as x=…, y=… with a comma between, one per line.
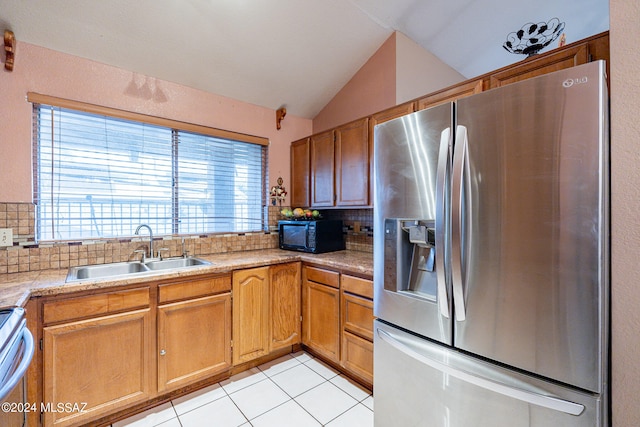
x=494, y=248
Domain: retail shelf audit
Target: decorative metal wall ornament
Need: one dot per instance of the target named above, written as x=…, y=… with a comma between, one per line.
x=532, y=38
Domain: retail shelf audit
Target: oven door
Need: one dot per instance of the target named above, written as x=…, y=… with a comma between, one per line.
x=17, y=352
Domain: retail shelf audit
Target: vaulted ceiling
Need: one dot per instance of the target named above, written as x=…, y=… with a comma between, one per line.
x=297, y=53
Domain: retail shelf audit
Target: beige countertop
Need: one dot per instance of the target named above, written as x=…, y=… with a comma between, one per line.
x=17, y=288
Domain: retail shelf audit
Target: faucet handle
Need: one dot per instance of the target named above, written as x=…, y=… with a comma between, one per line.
x=143, y=252
x=160, y=252
x=185, y=252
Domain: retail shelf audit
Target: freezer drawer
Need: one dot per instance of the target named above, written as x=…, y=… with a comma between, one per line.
x=440, y=387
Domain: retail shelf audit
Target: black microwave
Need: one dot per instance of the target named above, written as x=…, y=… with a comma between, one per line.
x=319, y=236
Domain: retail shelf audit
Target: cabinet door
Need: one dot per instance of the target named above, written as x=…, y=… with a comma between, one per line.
x=250, y=314
x=390, y=114
x=357, y=356
x=322, y=169
x=352, y=163
x=321, y=319
x=565, y=58
x=451, y=94
x=14, y=418
x=300, y=173
x=194, y=340
x=357, y=315
x=285, y=286
x=104, y=362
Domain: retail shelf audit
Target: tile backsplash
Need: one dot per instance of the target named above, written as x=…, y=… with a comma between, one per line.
x=28, y=255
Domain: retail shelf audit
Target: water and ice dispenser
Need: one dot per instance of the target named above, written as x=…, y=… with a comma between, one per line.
x=409, y=257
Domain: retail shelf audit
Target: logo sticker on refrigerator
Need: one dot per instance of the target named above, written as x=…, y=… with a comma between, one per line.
x=571, y=82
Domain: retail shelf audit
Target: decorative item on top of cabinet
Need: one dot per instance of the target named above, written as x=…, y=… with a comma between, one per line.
x=450, y=94
x=104, y=361
x=321, y=312
x=284, y=281
x=194, y=331
x=532, y=38
x=250, y=314
x=300, y=173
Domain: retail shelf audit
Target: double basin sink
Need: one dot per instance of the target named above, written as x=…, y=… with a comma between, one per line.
x=124, y=269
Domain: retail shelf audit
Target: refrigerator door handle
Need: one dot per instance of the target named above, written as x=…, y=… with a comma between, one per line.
x=441, y=228
x=459, y=158
x=521, y=393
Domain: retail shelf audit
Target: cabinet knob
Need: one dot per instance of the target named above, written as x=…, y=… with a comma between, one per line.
x=162, y=352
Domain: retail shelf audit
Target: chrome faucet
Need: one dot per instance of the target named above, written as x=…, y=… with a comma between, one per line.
x=150, y=237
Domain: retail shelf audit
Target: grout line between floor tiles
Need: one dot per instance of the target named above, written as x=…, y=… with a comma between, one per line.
x=291, y=398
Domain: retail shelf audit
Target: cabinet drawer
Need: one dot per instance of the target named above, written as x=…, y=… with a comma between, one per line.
x=357, y=315
x=357, y=356
x=194, y=288
x=358, y=286
x=95, y=305
x=326, y=277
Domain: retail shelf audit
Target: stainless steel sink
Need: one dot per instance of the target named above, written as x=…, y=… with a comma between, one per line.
x=123, y=269
x=176, y=263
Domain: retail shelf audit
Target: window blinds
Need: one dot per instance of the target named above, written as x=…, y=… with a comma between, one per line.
x=98, y=176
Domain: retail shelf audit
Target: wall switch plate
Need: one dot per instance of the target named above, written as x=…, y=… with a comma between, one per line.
x=6, y=237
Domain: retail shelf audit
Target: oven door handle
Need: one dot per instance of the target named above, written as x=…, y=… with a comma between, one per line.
x=27, y=355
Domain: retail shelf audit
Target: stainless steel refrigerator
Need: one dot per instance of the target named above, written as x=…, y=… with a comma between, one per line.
x=491, y=258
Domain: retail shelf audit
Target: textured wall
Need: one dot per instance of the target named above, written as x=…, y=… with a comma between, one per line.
x=625, y=158
x=371, y=89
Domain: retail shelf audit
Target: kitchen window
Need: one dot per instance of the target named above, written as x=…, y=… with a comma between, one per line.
x=98, y=173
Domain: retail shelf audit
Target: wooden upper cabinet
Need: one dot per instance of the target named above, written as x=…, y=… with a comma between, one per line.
x=352, y=151
x=341, y=159
x=300, y=179
x=537, y=66
x=322, y=169
x=451, y=94
x=390, y=114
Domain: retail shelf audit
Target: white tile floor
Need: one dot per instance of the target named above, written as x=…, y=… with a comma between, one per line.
x=294, y=390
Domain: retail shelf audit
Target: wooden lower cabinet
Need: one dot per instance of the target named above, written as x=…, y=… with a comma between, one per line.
x=284, y=301
x=321, y=312
x=357, y=356
x=250, y=314
x=108, y=351
x=266, y=310
x=193, y=340
x=356, y=299
x=103, y=364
